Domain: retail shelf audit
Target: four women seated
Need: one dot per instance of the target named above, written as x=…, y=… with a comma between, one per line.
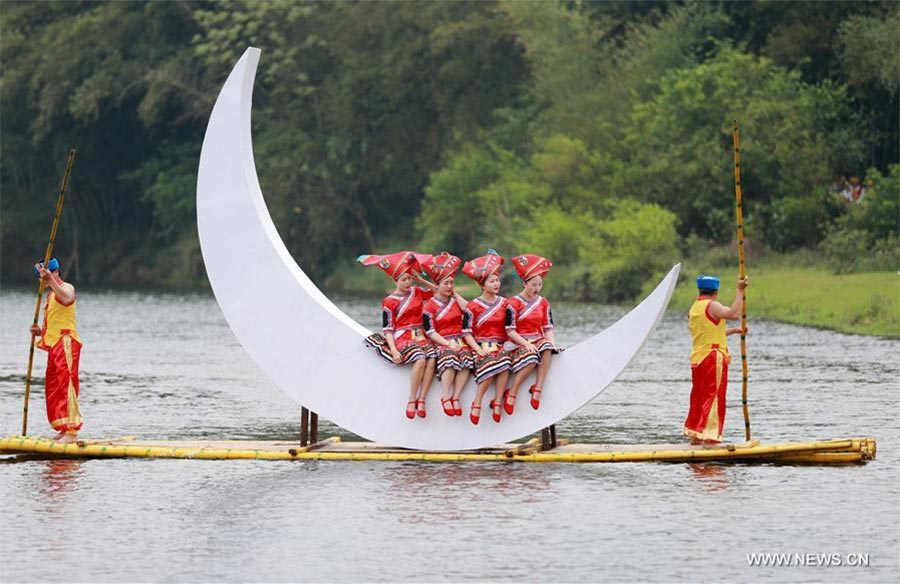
x=436, y=331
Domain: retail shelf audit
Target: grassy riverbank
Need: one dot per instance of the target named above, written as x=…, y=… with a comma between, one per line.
x=867, y=303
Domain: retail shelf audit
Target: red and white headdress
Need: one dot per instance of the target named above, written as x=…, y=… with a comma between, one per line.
x=529, y=265
x=394, y=265
x=482, y=268
x=439, y=266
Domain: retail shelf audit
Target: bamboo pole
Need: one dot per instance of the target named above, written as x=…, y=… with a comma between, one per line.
x=743, y=272
x=37, y=309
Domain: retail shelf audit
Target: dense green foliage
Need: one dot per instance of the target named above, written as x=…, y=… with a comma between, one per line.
x=597, y=133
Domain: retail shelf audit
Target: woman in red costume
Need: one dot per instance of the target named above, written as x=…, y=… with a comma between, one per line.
x=63, y=345
x=403, y=340
x=485, y=322
x=442, y=320
x=533, y=321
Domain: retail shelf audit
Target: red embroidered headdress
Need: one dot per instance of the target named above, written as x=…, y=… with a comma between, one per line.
x=439, y=266
x=529, y=265
x=482, y=268
x=394, y=265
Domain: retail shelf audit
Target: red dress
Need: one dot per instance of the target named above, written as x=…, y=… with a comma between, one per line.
x=531, y=320
x=487, y=324
x=709, y=373
x=402, y=316
x=445, y=319
x=63, y=345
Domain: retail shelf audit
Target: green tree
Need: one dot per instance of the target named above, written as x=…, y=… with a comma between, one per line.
x=115, y=81
x=635, y=244
x=794, y=138
x=362, y=101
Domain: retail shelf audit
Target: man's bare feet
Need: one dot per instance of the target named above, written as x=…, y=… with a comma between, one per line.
x=59, y=435
x=68, y=438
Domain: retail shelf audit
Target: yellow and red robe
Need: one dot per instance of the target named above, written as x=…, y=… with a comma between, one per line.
x=63, y=345
x=709, y=374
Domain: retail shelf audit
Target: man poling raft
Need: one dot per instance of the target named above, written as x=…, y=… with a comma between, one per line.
x=59, y=337
x=709, y=359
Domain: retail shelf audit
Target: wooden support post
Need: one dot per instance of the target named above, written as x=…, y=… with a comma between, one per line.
x=304, y=426
x=548, y=438
x=313, y=427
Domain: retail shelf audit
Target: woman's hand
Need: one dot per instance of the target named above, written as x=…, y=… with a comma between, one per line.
x=481, y=352
x=395, y=355
x=35, y=329
x=529, y=346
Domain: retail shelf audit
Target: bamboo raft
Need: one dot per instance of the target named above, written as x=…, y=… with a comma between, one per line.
x=828, y=452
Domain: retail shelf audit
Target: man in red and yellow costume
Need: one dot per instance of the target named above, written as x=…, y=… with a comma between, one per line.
x=709, y=359
x=61, y=341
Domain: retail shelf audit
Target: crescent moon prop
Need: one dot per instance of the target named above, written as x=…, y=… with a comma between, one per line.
x=314, y=352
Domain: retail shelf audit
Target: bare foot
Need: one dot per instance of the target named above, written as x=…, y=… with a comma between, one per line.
x=59, y=435
x=68, y=438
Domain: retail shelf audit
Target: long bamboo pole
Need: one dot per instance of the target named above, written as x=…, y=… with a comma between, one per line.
x=37, y=309
x=743, y=271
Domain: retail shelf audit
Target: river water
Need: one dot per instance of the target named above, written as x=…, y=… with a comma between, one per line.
x=167, y=366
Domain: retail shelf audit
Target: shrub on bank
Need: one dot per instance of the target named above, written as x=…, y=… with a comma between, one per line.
x=867, y=237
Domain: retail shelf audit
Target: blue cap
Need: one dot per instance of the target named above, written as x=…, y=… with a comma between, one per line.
x=52, y=265
x=707, y=283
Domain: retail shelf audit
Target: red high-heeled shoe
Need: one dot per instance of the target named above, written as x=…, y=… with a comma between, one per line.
x=457, y=409
x=535, y=401
x=474, y=419
x=507, y=407
x=451, y=411
x=494, y=413
x=420, y=412
x=411, y=411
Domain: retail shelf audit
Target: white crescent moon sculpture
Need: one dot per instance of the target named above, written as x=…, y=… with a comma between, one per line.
x=314, y=352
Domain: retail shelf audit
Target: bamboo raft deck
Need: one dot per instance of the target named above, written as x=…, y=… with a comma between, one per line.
x=828, y=452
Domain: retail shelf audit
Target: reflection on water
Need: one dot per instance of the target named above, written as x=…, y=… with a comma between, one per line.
x=59, y=479
x=712, y=477
x=236, y=521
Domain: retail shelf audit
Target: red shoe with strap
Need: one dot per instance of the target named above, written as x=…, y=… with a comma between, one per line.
x=420, y=408
x=450, y=411
x=474, y=419
x=457, y=409
x=411, y=411
x=509, y=408
x=495, y=411
x=535, y=396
